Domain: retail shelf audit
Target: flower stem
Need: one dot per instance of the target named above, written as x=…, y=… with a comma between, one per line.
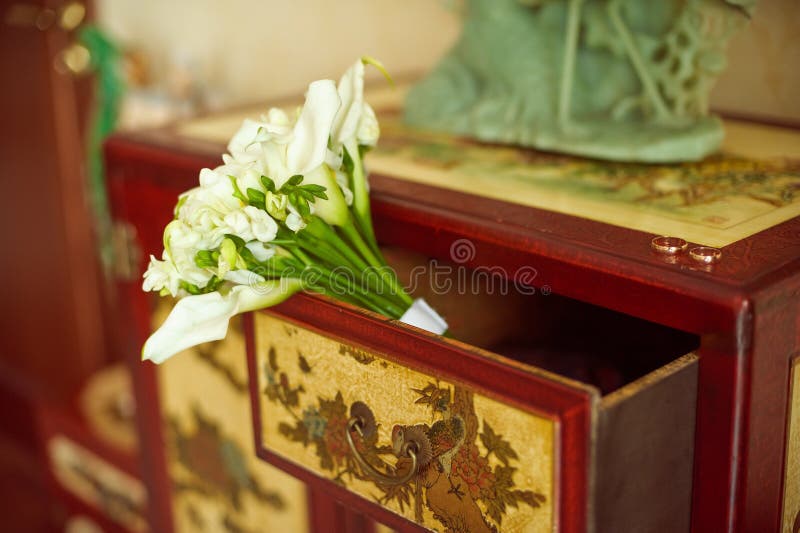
x=386, y=273
x=361, y=204
x=339, y=286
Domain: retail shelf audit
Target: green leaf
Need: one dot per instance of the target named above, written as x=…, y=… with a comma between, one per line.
x=238, y=241
x=347, y=163
x=249, y=259
x=237, y=192
x=315, y=190
x=303, y=209
x=190, y=288
x=212, y=285
x=291, y=184
x=205, y=259
x=257, y=198
x=268, y=184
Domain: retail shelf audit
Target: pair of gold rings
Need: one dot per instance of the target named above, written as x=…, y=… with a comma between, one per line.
x=675, y=245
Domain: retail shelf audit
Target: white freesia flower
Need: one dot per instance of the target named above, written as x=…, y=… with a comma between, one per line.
x=181, y=243
x=251, y=223
x=204, y=208
x=276, y=205
x=275, y=126
x=263, y=227
x=260, y=251
x=203, y=318
x=161, y=275
x=294, y=221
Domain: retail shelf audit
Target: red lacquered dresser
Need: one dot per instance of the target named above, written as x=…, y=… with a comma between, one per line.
x=604, y=385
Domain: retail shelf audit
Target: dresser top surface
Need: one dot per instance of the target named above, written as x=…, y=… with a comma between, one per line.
x=601, y=215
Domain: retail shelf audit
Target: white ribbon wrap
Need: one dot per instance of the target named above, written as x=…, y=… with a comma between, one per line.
x=422, y=315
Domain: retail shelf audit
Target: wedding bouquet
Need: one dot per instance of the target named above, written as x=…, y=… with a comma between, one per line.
x=287, y=211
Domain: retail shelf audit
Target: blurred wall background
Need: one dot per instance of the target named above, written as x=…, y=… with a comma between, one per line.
x=248, y=50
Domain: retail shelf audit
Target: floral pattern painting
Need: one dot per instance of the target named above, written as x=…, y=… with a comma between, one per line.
x=751, y=185
x=716, y=201
x=483, y=467
x=218, y=484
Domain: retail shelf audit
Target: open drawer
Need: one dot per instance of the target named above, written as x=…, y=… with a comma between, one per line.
x=558, y=416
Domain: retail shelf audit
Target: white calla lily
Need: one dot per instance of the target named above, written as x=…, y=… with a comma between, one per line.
x=355, y=123
x=204, y=317
x=244, y=277
x=308, y=147
x=280, y=152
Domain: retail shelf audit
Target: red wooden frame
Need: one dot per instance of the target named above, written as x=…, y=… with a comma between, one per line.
x=746, y=309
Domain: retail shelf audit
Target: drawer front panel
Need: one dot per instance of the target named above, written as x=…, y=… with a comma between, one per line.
x=100, y=484
x=791, y=487
x=482, y=464
x=218, y=483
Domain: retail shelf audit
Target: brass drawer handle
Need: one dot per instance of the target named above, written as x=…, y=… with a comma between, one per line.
x=360, y=424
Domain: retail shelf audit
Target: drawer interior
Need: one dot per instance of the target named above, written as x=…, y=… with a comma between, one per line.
x=643, y=439
x=580, y=341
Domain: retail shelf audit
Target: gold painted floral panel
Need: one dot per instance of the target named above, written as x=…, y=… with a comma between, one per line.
x=218, y=482
x=483, y=466
x=726, y=197
x=791, y=483
x=751, y=185
x=117, y=494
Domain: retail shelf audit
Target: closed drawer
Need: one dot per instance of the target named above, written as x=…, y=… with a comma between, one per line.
x=96, y=482
x=216, y=482
x=498, y=443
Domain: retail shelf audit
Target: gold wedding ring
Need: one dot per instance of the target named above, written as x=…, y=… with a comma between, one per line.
x=668, y=245
x=705, y=254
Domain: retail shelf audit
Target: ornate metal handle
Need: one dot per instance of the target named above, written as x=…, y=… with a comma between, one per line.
x=409, y=449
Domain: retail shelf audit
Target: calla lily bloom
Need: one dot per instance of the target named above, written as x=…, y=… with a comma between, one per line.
x=356, y=125
x=204, y=317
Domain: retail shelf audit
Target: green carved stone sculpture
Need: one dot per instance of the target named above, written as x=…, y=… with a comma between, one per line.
x=613, y=79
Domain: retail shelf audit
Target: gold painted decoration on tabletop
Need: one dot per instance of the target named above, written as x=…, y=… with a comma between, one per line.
x=751, y=185
x=724, y=198
x=218, y=482
x=481, y=466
